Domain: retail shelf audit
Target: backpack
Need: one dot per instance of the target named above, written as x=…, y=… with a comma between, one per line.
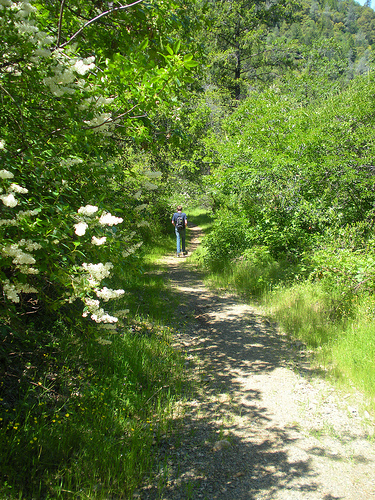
x=180, y=222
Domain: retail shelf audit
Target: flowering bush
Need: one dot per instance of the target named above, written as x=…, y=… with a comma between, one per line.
x=70, y=212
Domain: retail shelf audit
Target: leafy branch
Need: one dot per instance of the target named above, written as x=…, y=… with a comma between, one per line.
x=93, y=20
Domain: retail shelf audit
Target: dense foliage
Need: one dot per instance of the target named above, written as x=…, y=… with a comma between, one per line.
x=82, y=90
x=113, y=114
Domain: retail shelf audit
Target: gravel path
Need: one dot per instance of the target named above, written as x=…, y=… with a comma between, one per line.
x=262, y=424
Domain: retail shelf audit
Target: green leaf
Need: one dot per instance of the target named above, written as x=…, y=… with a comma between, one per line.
x=176, y=46
x=144, y=44
x=190, y=64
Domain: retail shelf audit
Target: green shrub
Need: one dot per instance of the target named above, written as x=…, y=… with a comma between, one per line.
x=227, y=240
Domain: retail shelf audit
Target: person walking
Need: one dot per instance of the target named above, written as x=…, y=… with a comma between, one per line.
x=179, y=220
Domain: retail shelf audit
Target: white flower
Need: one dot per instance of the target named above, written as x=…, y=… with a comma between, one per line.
x=27, y=269
x=5, y=174
x=42, y=52
x=106, y=219
x=83, y=66
x=88, y=210
x=91, y=303
x=97, y=272
x=8, y=222
x=23, y=258
x=12, y=290
x=102, y=101
x=68, y=162
x=80, y=228
x=99, y=121
x=26, y=213
x=98, y=241
x=9, y=200
x=30, y=245
x=103, y=317
x=2, y=144
x=18, y=189
x=107, y=294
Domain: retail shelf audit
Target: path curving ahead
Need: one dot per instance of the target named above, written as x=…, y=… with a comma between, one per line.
x=262, y=424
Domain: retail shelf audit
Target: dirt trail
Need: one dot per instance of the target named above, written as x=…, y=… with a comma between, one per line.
x=263, y=424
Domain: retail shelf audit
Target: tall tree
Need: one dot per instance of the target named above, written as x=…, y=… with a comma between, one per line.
x=241, y=52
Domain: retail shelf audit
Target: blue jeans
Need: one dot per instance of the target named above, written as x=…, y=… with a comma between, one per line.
x=180, y=235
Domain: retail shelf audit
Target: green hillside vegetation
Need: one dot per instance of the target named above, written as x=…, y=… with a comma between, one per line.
x=259, y=118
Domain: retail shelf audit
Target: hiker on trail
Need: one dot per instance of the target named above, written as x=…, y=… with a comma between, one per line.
x=179, y=220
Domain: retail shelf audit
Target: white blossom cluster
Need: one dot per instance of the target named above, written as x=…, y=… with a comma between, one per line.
x=101, y=123
x=66, y=69
x=12, y=290
x=5, y=174
x=26, y=27
x=107, y=293
x=97, y=272
x=96, y=313
x=86, y=215
x=106, y=219
x=29, y=245
x=98, y=241
x=22, y=214
x=68, y=162
x=8, y=198
x=149, y=186
x=131, y=249
x=80, y=228
x=88, y=210
x=22, y=260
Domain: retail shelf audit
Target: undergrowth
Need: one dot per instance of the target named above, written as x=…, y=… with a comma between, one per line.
x=81, y=413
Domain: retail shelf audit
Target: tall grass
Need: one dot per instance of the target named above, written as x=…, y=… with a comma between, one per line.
x=80, y=413
x=344, y=333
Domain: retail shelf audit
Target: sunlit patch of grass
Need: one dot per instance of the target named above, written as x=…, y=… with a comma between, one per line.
x=200, y=217
x=304, y=311
x=164, y=245
x=353, y=352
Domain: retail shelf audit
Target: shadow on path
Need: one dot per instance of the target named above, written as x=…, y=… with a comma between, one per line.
x=239, y=436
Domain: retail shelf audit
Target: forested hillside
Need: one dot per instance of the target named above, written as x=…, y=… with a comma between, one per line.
x=111, y=114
